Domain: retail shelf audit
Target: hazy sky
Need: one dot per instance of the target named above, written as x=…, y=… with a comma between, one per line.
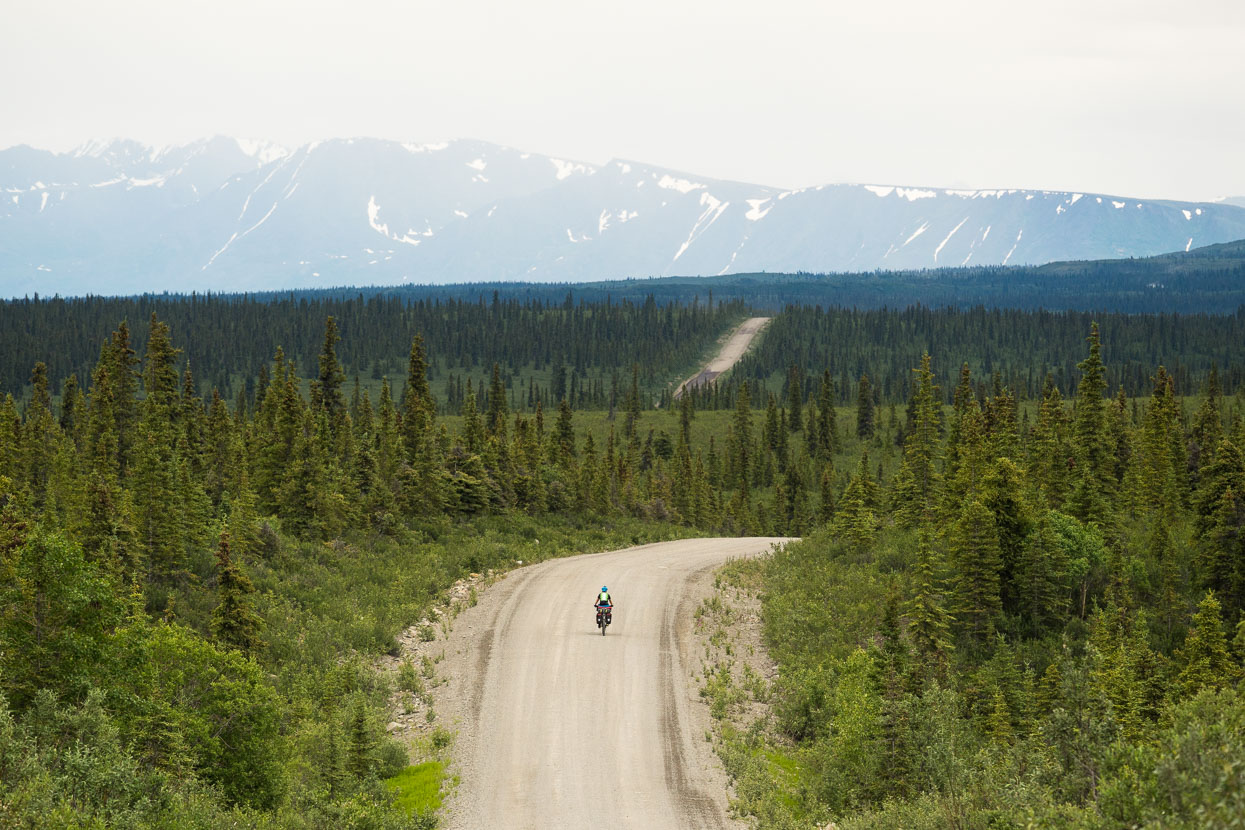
x=1132, y=97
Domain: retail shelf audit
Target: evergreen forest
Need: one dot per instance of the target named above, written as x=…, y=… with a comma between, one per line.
x=1018, y=600
x=1209, y=280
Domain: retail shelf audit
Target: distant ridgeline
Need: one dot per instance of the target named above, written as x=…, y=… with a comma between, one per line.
x=1209, y=279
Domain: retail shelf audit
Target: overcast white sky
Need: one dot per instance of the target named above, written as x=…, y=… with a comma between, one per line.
x=1131, y=97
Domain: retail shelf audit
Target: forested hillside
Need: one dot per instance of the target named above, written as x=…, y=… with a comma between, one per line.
x=191, y=597
x=1035, y=620
x=1016, y=609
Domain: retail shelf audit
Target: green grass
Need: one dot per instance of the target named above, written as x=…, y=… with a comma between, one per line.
x=417, y=789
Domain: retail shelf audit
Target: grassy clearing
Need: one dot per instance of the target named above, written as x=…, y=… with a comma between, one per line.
x=417, y=789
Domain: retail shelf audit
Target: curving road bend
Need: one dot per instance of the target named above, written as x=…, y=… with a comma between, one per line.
x=561, y=727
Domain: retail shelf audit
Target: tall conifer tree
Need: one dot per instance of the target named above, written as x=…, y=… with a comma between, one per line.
x=234, y=621
x=865, y=415
x=1093, y=486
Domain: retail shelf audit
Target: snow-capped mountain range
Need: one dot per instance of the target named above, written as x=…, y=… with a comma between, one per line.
x=230, y=215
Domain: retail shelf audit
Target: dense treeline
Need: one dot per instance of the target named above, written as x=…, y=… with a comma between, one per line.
x=228, y=339
x=1023, y=347
x=1031, y=624
x=137, y=524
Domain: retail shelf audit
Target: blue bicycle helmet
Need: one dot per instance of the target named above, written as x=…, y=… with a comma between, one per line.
x=604, y=590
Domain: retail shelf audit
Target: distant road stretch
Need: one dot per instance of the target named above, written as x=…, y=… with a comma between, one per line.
x=560, y=727
x=730, y=354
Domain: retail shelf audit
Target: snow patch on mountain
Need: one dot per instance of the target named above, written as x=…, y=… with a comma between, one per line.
x=943, y=243
x=669, y=182
x=264, y=152
x=755, y=213
x=425, y=148
x=917, y=233
x=912, y=193
x=713, y=209
x=1013, y=250
x=566, y=169
x=373, y=219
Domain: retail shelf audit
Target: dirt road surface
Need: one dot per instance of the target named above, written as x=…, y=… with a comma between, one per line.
x=730, y=354
x=560, y=727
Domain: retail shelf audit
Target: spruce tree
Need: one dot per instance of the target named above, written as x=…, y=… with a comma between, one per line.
x=10, y=438
x=220, y=464
x=1204, y=658
x=1038, y=589
x=327, y=389
x=999, y=725
x=929, y=622
x=1161, y=464
x=234, y=621
x=632, y=404
x=975, y=553
x=795, y=398
x=827, y=428
x=360, y=754
x=423, y=482
x=1049, y=454
x=122, y=362
x=1170, y=603
x=498, y=409
x=965, y=417
x=1003, y=494
x=968, y=452
x=1001, y=425
x=1207, y=429
x=388, y=442
x=864, y=409
x=1220, y=551
x=740, y=448
x=1093, y=486
x=418, y=407
x=73, y=410
x=1226, y=471
x=40, y=437
x=1119, y=428
x=564, y=433
x=159, y=506
x=856, y=519
x=918, y=480
x=825, y=504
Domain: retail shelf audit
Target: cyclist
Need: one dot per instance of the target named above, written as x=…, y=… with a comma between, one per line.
x=605, y=604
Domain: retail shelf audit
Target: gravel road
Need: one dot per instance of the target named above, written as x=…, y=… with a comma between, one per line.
x=730, y=354
x=560, y=727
